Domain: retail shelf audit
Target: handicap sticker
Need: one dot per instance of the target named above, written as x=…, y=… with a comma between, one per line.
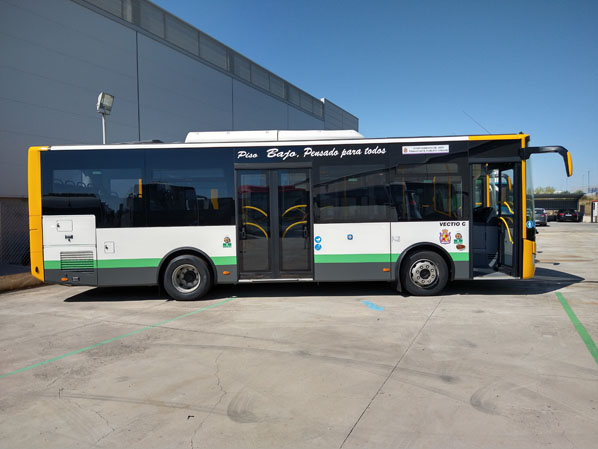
x=349, y=236
x=318, y=239
x=318, y=247
x=530, y=224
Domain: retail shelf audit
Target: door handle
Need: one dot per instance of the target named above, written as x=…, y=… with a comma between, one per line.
x=243, y=233
x=305, y=232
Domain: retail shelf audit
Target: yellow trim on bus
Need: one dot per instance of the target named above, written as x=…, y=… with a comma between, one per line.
x=34, y=184
x=500, y=137
x=569, y=165
x=528, y=268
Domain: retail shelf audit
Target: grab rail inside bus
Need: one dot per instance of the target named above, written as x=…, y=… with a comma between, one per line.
x=255, y=208
x=508, y=230
x=294, y=207
x=508, y=207
x=290, y=226
x=247, y=223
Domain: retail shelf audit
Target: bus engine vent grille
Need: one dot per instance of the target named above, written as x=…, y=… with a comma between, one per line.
x=77, y=261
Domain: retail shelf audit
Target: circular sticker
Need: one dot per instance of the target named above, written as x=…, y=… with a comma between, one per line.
x=318, y=247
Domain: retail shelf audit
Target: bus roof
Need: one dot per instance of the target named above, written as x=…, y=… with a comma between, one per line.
x=283, y=137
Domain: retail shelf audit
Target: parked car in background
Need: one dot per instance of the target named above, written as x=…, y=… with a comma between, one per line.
x=540, y=217
x=567, y=215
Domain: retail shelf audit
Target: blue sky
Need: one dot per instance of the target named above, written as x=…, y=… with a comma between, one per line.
x=412, y=68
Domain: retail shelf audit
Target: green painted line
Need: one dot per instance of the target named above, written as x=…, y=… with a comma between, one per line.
x=351, y=258
x=460, y=257
x=581, y=330
x=105, y=342
x=224, y=260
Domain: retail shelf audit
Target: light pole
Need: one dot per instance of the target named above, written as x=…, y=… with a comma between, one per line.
x=104, y=107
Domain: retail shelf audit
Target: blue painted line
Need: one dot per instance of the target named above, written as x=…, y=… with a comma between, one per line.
x=373, y=306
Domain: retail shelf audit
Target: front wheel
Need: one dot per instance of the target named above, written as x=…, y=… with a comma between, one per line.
x=424, y=273
x=187, y=278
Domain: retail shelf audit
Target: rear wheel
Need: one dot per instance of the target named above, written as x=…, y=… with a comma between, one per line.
x=187, y=278
x=424, y=273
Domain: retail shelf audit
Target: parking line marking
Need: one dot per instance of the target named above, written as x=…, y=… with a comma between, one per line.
x=373, y=306
x=581, y=330
x=105, y=342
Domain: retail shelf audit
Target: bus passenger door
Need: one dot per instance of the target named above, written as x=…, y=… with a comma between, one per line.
x=495, y=217
x=274, y=224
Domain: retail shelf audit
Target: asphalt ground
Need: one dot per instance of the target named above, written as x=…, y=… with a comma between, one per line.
x=510, y=364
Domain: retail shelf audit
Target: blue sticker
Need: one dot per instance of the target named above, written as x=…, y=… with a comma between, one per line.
x=349, y=236
x=530, y=224
x=318, y=239
x=318, y=247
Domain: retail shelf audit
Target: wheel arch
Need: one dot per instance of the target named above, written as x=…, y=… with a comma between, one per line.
x=423, y=246
x=187, y=250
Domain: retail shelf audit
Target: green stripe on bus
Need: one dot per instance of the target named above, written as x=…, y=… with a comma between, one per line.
x=357, y=258
x=460, y=257
x=224, y=260
x=126, y=263
x=351, y=258
x=51, y=265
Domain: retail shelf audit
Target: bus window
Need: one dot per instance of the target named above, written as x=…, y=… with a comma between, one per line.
x=104, y=183
x=427, y=192
x=351, y=193
x=189, y=188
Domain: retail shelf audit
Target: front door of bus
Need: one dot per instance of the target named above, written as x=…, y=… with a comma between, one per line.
x=274, y=223
x=495, y=218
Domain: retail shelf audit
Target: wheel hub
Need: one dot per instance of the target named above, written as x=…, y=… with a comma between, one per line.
x=424, y=273
x=186, y=278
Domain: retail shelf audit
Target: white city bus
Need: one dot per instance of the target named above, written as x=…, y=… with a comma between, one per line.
x=284, y=206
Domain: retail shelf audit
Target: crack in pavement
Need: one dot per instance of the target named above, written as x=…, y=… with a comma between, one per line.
x=223, y=393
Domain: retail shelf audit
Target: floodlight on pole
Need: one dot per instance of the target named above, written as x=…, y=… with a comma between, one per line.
x=104, y=107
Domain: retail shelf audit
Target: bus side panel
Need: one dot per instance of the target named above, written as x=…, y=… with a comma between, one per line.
x=70, y=249
x=352, y=252
x=132, y=256
x=452, y=236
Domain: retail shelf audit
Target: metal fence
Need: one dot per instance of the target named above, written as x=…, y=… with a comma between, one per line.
x=14, y=231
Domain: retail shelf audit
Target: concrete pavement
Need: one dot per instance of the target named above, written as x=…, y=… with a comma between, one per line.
x=487, y=364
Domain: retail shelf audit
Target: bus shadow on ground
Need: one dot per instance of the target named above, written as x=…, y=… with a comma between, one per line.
x=545, y=281
x=249, y=290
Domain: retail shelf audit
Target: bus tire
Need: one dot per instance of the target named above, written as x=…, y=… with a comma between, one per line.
x=424, y=273
x=186, y=278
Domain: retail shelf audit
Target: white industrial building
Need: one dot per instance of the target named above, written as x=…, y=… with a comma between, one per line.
x=168, y=78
